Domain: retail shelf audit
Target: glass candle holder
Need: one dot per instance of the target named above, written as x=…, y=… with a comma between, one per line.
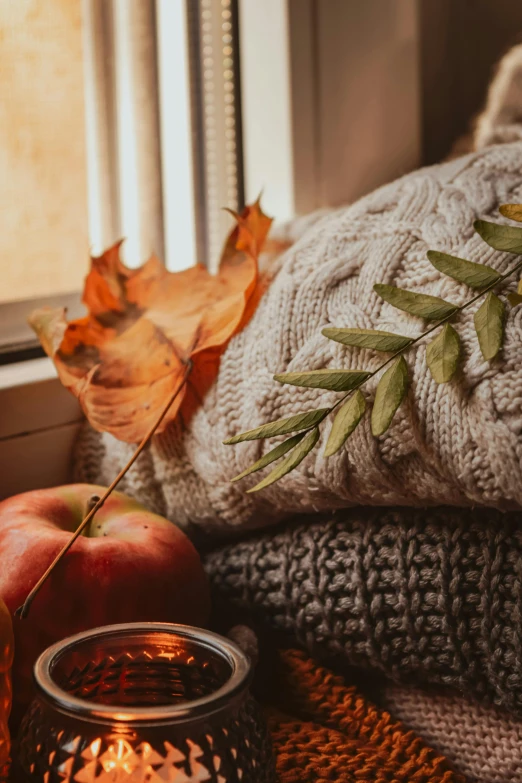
x=147, y=703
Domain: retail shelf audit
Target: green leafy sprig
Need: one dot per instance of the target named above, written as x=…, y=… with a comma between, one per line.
x=442, y=354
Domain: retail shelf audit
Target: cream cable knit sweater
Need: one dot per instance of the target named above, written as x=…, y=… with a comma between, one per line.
x=458, y=444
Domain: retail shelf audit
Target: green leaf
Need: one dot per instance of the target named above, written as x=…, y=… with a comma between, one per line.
x=432, y=308
x=334, y=380
x=301, y=421
x=368, y=338
x=474, y=275
x=389, y=395
x=507, y=238
x=292, y=461
x=489, y=325
x=516, y=298
x=346, y=420
x=271, y=456
x=512, y=211
x=442, y=354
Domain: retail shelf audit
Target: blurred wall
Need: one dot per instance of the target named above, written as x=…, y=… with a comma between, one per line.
x=377, y=88
x=460, y=44
x=368, y=95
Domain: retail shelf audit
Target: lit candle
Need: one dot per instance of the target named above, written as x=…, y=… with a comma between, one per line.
x=143, y=702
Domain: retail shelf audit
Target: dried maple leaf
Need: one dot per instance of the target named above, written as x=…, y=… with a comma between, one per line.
x=126, y=358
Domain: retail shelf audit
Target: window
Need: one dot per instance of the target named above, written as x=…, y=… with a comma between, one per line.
x=143, y=118
x=119, y=118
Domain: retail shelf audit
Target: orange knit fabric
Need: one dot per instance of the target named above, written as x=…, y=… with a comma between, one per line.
x=324, y=730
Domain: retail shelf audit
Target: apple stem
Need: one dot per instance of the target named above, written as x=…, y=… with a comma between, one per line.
x=95, y=502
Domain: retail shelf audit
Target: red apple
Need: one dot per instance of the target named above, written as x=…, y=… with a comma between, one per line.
x=129, y=565
x=6, y=660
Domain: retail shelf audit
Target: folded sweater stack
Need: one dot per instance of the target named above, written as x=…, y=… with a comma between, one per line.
x=427, y=597
x=430, y=599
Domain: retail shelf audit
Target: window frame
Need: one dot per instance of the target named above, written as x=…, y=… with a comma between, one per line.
x=18, y=342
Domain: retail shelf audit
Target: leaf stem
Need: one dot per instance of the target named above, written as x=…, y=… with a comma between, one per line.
x=415, y=340
x=23, y=610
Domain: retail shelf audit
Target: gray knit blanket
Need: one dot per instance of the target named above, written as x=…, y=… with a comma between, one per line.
x=458, y=443
x=424, y=596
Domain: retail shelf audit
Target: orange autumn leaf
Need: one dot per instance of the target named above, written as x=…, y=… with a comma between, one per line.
x=125, y=359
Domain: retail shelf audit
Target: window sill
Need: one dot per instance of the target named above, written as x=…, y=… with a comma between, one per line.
x=17, y=340
x=38, y=426
x=23, y=373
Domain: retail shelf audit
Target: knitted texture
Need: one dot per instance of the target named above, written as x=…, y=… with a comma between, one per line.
x=482, y=742
x=330, y=732
x=457, y=443
x=423, y=596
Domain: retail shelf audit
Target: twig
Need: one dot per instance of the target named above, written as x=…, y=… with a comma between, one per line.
x=411, y=342
x=458, y=309
x=23, y=610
